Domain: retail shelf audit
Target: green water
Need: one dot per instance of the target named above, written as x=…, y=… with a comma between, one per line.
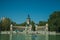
x=29, y=37
x=54, y=37
x=4, y=37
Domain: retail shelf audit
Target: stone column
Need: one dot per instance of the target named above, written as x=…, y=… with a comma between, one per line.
x=46, y=30
x=11, y=27
x=11, y=31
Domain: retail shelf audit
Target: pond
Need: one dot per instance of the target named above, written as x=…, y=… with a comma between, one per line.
x=29, y=37
x=4, y=37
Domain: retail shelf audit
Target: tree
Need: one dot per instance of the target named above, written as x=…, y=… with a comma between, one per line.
x=0, y=26
x=13, y=23
x=42, y=23
x=22, y=24
x=5, y=23
x=33, y=25
x=54, y=21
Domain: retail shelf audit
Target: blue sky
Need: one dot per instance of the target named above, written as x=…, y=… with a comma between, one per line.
x=39, y=10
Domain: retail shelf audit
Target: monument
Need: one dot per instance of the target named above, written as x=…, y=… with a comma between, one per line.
x=28, y=25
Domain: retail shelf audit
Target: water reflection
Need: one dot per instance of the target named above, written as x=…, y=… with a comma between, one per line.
x=28, y=37
x=33, y=37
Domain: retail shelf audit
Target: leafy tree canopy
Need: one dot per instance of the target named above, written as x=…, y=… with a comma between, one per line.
x=54, y=21
x=42, y=23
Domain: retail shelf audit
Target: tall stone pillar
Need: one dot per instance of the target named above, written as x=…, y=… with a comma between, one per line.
x=46, y=30
x=11, y=27
x=11, y=31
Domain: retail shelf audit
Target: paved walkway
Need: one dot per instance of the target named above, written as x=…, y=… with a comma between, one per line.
x=31, y=32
